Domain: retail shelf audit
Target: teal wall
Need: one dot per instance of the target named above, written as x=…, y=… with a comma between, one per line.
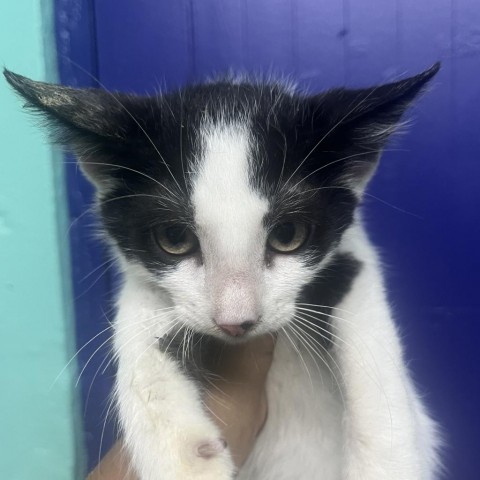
x=39, y=437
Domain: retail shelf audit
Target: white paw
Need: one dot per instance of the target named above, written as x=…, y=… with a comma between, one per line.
x=211, y=461
x=183, y=457
x=209, y=449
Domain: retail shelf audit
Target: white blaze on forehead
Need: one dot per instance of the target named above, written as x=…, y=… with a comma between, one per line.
x=228, y=211
x=229, y=217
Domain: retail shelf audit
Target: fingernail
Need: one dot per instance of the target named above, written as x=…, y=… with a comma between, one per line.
x=210, y=449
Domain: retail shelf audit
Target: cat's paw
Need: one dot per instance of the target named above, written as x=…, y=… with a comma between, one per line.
x=211, y=460
x=183, y=457
x=211, y=448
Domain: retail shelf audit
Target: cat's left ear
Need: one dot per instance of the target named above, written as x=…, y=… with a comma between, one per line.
x=358, y=123
x=93, y=123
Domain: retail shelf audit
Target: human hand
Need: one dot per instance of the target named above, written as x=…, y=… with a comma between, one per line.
x=236, y=399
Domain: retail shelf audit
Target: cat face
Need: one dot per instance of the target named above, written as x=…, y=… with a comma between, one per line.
x=239, y=263
x=229, y=198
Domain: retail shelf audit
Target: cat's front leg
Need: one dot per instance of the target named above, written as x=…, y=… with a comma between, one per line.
x=165, y=429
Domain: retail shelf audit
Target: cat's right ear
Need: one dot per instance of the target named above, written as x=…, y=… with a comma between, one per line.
x=90, y=122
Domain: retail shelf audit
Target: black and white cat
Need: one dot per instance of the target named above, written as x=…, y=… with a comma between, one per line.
x=232, y=209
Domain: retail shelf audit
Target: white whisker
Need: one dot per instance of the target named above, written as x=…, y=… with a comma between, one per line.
x=299, y=354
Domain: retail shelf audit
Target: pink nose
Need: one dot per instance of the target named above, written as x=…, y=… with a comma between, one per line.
x=237, y=330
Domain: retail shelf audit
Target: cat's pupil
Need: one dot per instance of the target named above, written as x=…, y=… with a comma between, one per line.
x=176, y=235
x=285, y=232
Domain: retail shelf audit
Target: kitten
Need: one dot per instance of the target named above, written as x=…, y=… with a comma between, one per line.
x=232, y=209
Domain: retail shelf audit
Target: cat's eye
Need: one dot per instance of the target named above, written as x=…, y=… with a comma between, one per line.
x=176, y=239
x=287, y=237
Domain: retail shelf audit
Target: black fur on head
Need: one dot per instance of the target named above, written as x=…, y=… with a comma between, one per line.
x=314, y=154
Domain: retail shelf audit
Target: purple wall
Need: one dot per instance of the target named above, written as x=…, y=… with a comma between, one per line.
x=423, y=208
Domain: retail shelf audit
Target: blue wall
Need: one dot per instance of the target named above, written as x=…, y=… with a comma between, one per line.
x=422, y=212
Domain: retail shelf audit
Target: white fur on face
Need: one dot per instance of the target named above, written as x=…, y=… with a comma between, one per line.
x=229, y=219
x=233, y=283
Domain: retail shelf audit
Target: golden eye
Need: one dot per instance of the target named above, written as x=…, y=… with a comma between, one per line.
x=176, y=239
x=288, y=236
